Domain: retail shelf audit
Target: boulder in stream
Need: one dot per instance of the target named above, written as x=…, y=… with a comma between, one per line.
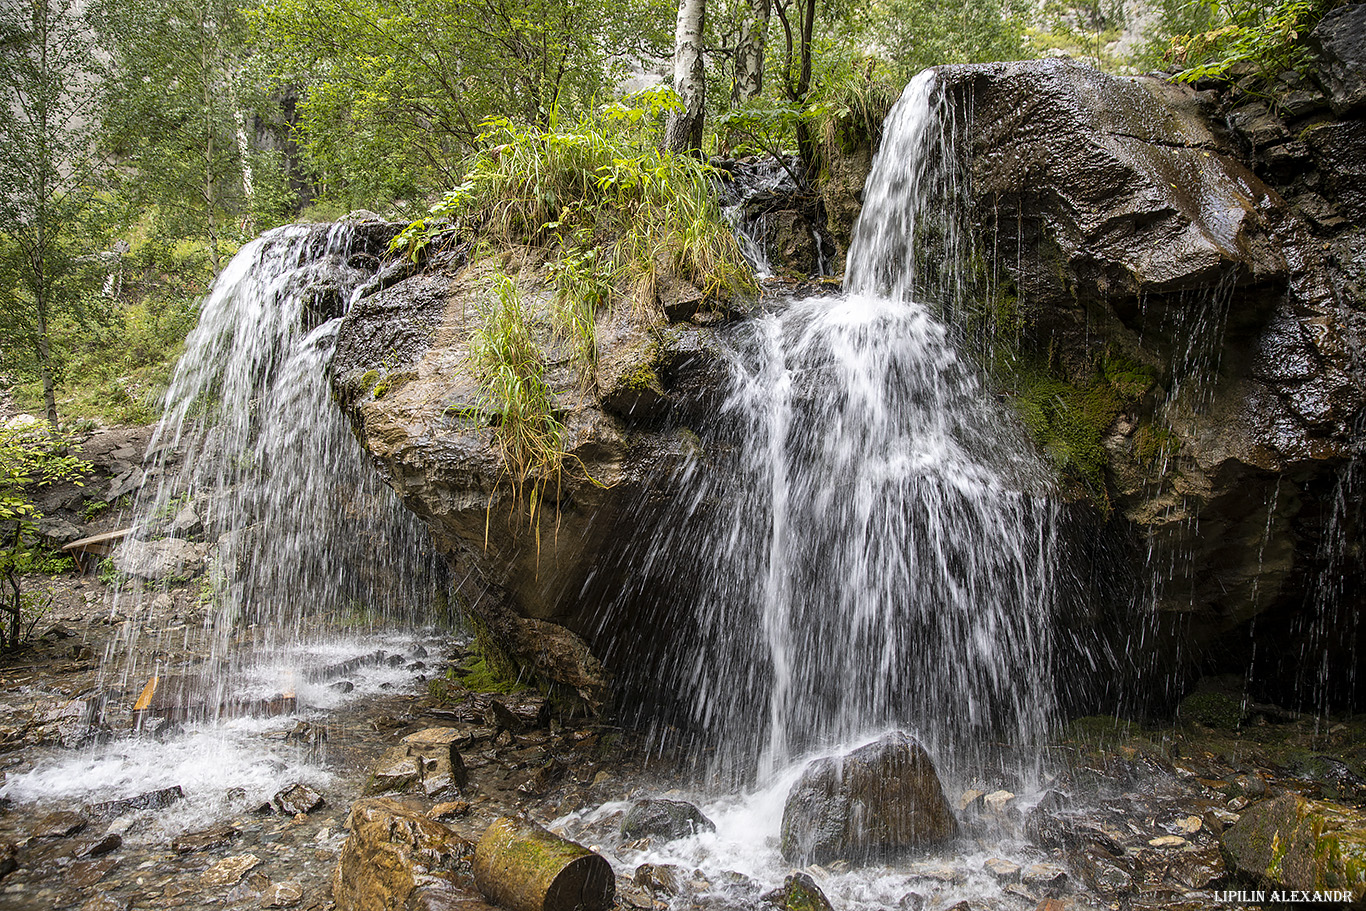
x=396, y=856
x=657, y=817
x=1290, y=842
x=880, y=800
x=799, y=892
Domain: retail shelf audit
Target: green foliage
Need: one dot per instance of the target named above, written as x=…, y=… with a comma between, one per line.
x=583, y=283
x=1248, y=37
x=109, y=575
x=50, y=172
x=514, y=395
x=394, y=91
x=1082, y=28
x=173, y=114
x=758, y=126
x=30, y=459
x=616, y=211
x=921, y=33
x=118, y=369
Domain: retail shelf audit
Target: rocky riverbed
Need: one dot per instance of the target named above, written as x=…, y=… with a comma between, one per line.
x=264, y=811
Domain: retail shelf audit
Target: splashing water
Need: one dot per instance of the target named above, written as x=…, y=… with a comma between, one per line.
x=869, y=539
x=302, y=537
x=301, y=524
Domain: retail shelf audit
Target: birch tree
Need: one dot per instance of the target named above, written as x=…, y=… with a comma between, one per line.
x=683, y=131
x=172, y=117
x=49, y=174
x=749, y=50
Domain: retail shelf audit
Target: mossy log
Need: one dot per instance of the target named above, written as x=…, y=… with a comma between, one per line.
x=522, y=867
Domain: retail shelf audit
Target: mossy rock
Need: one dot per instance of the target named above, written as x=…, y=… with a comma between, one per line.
x=1212, y=709
x=1099, y=730
x=1293, y=843
x=799, y=892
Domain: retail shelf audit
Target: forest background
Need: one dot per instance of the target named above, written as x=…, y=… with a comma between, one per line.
x=144, y=141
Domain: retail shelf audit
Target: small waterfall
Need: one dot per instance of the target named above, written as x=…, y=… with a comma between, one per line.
x=315, y=571
x=299, y=524
x=869, y=539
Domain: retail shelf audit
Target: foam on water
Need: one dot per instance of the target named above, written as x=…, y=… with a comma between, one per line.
x=746, y=841
x=228, y=765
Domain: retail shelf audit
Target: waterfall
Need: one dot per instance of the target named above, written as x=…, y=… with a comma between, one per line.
x=301, y=527
x=868, y=538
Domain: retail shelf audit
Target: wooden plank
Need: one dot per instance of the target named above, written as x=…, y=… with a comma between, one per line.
x=101, y=543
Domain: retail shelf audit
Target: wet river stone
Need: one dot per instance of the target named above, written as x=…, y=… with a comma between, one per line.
x=1290, y=842
x=880, y=800
x=397, y=857
x=799, y=892
x=666, y=819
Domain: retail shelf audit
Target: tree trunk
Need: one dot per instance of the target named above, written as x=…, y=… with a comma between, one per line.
x=683, y=131
x=210, y=175
x=45, y=369
x=749, y=52
x=799, y=87
x=522, y=867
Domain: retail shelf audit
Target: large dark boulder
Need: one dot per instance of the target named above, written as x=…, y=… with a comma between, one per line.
x=1340, y=42
x=531, y=560
x=1290, y=842
x=1133, y=230
x=881, y=800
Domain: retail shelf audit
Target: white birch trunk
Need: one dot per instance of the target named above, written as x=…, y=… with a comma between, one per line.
x=683, y=131
x=749, y=51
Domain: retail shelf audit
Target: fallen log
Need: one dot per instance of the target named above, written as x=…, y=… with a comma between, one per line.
x=523, y=867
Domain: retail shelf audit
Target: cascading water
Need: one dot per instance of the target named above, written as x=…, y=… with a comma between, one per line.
x=308, y=550
x=869, y=539
x=303, y=525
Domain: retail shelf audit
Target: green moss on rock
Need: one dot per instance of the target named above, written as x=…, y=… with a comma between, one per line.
x=1213, y=710
x=1294, y=843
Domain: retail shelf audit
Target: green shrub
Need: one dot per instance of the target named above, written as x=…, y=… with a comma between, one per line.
x=603, y=193
x=30, y=458
x=1250, y=38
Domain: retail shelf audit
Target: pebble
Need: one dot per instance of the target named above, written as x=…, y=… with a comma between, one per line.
x=1190, y=825
x=1003, y=870
x=282, y=895
x=1167, y=841
x=1044, y=875
x=228, y=870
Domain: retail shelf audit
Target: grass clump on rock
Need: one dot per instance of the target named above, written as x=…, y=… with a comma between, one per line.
x=618, y=215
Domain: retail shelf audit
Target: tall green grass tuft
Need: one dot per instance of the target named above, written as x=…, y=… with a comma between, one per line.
x=617, y=214
x=510, y=368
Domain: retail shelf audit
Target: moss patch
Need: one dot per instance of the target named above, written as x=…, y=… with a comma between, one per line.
x=1069, y=416
x=1213, y=710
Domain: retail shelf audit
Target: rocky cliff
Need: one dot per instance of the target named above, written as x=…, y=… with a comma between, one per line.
x=1175, y=304
x=1187, y=267
x=527, y=559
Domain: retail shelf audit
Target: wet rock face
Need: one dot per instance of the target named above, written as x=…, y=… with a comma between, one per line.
x=1289, y=842
x=169, y=559
x=1122, y=178
x=403, y=369
x=1340, y=40
x=396, y=857
x=1211, y=242
x=878, y=801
